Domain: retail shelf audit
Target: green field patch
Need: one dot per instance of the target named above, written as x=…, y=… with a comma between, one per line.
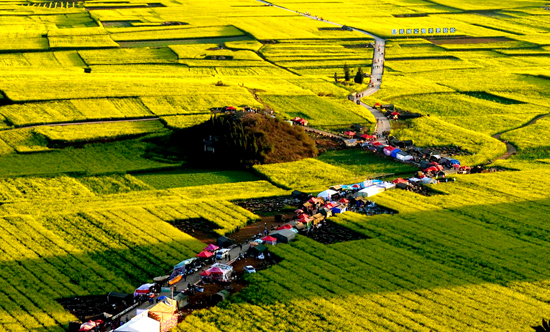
x=92, y=159
x=193, y=177
x=86, y=133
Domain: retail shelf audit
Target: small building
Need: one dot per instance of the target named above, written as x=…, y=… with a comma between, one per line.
x=224, y=242
x=256, y=251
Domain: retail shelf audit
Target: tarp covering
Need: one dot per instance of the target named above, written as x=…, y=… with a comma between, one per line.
x=204, y=273
x=140, y=324
x=174, y=280
x=399, y=180
x=326, y=195
x=143, y=289
x=394, y=152
x=349, y=133
x=454, y=162
x=388, y=150
x=285, y=226
x=185, y=262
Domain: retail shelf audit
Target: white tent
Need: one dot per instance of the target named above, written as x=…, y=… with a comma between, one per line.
x=327, y=194
x=427, y=180
x=369, y=191
x=140, y=324
x=403, y=156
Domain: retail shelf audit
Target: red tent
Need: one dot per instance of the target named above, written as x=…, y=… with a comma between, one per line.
x=368, y=137
x=395, y=113
x=205, y=254
x=204, y=273
x=211, y=247
x=314, y=200
x=215, y=270
x=285, y=226
x=349, y=133
x=377, y=104
x=344, y=200
x=230, y=108
x=399, y=180
x=431, y=169
x=304, y=218
x=376, y=143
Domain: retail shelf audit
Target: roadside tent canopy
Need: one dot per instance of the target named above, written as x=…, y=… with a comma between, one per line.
x=211, y=247
x=284, y=235
x=205, y=254
x=224, y=242
x=204, y=273
x=186, y=262
x=349, y=133
x=327, y=194
x=285, y=226
x=140, y=324
x=257, y=250
x=399, y=180
x=270, y=240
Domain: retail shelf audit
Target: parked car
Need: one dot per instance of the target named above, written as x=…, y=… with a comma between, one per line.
x=249, y=269
x=222, y=253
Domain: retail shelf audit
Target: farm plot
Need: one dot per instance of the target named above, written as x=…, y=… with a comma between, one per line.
x=190, y=177
x=128, y=56
x=15, y=189
x=99, y=131
x=430, y=131
x=92, y=159
x=532, y=137
x=435, y=265
x=73, y=110
x=470, y=112
x=319, y=111
x=22, y=43
x=182, y=32
x=72, y=42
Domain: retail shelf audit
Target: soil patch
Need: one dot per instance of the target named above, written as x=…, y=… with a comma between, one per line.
x=270, y=205
x=119, y=24
x=91, y=306
x=331, y=233
x=466, y=40
x=199, y=228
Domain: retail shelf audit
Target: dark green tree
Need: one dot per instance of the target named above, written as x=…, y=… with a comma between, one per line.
x=359, y=76
x=347, y=75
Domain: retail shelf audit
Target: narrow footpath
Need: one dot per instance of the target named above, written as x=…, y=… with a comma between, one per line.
x=377, y=70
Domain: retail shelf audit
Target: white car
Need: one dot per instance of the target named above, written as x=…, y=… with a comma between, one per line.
x=249, y=269
x=222, y=253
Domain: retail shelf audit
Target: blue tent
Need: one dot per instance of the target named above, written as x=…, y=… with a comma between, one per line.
x=339, y=209
x=454, y=162
x=394, y=152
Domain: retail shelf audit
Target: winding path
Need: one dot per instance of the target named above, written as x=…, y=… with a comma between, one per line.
x=510, y=149
x=377, y=70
